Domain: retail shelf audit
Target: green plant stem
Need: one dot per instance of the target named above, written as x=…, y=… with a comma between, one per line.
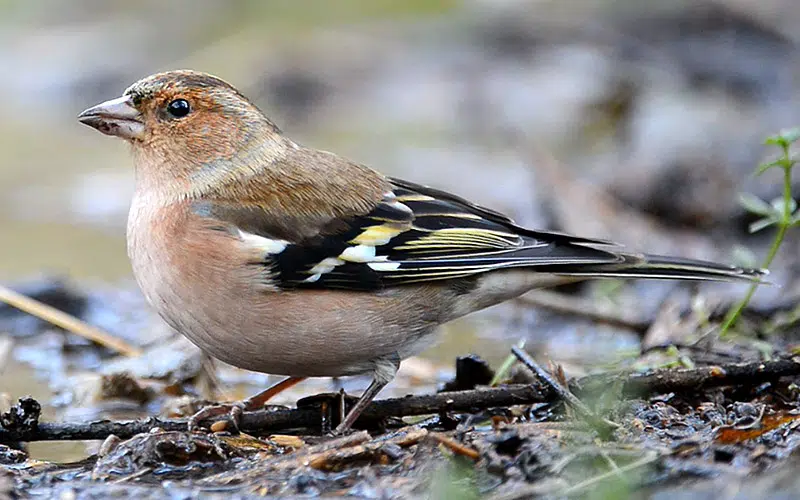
x=506, y=366
x=735, y=313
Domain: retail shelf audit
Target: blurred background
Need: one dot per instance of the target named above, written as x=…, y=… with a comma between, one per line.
x=634, y=121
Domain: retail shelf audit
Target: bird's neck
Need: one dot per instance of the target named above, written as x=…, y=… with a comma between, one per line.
x=167, y=178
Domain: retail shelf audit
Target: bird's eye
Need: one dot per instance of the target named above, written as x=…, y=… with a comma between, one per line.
x=179, y=108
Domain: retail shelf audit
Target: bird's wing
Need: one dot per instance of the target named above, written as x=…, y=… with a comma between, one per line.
x=418, y=234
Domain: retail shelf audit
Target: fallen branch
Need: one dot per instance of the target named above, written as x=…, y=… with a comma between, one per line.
x=266, y=421
x=664, y=381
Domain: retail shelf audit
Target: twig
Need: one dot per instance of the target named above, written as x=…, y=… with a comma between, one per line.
x=337, y=443
x=6, y=343
x=130, y=477
x=602, y=426
x=329, y=453
x=692, y=379
x=325, y=453
x=65, y=321
x=334, y=459
x=455, y=446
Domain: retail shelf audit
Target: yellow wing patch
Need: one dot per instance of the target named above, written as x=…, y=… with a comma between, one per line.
x=378, y=235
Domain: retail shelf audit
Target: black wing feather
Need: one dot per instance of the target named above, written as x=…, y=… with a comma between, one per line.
x=419, y=234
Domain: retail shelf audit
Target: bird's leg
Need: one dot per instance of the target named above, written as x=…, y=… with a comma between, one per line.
x=385, y=370
x=235, y=410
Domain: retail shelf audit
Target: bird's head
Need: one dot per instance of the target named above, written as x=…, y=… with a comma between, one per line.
x=184, y=118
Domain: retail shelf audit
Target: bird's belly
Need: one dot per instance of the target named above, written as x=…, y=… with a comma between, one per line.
x=298, y=333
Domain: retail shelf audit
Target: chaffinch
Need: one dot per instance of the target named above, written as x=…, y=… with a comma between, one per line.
x=282, y=259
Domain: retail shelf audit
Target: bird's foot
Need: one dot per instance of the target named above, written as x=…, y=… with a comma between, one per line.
x=235, y=410
x=232, y=410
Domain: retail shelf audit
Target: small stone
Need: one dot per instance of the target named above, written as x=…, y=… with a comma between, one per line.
x=219, y=426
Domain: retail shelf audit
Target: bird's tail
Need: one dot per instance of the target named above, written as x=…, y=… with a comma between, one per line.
x=662, y=267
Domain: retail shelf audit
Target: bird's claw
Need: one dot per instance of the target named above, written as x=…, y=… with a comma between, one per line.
x=234, y=412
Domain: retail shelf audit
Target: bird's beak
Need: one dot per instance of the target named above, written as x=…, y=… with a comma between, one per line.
x=117, y=117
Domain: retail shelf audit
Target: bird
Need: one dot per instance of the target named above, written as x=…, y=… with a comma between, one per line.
x=283, y=259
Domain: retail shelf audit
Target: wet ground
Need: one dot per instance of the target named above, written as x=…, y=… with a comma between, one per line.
x=685, y=412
